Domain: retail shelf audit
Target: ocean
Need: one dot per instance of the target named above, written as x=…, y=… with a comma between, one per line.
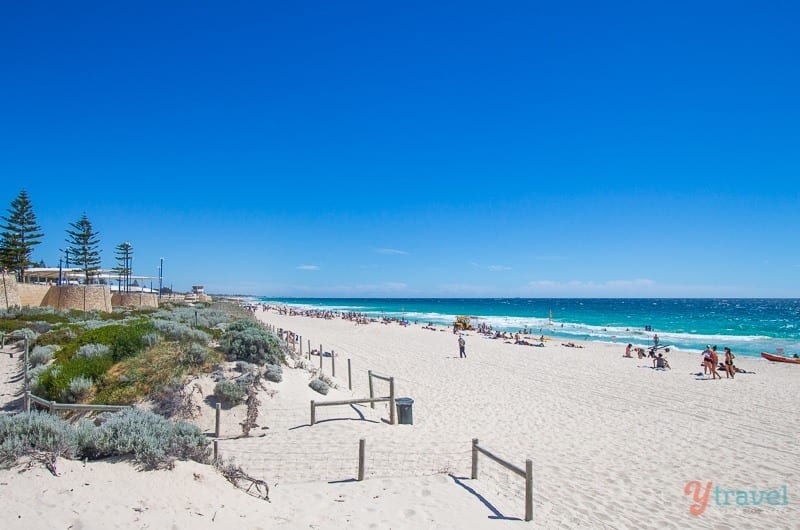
x=747, y=326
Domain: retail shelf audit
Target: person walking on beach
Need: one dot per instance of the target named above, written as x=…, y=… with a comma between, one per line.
x=655, y=341
x=462, y=345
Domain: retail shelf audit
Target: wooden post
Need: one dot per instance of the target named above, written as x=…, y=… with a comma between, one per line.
x=349, y=376
x=300, y=340
x=313, y=418
x=392, y=411
x=28, y=401
x=26, y=363
x=2, y=339
x=216, y=423
x=309, y=349
x=320, y=358
x=333, y=363
x=52, y=407
x=361, y=454
x=528, y=490
x=371, y=393
x=216, y=450
x=474, y=458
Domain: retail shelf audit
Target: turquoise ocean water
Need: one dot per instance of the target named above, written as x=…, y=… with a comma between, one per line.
x=747, y=326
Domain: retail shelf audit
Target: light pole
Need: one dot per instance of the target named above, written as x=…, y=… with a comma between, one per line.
x=160, y=277
x=66, y=266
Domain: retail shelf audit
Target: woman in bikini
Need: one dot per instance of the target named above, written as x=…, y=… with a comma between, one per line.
x=730, y=369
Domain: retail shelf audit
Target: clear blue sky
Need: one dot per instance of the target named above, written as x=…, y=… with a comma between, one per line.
x=415, y=148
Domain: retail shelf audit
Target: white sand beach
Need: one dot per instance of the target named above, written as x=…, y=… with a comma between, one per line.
x=613, y=444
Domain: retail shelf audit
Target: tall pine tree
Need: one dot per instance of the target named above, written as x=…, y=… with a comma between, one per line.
x=20, y=233
x=83, y=245
x=124, y=268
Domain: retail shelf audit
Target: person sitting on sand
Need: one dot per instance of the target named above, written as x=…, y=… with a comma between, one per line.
x=628, y=351
x=571, y=345
x=660, y=363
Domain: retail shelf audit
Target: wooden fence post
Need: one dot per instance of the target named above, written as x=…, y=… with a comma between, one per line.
x=371, y=393
x=26, y=363
x=216, y=423
x=27, y=401
x=300, y=340
x=52, y=407
x=392, y=413
x=474, y=458
x=309, y=349
x=333, y=363
x=361, y=454
x=216, y=450
x=349, y=376
x=320, y=358
x=313, y=416
x=528, y=490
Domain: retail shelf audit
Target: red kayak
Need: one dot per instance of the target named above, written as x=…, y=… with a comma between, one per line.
x=779, y=358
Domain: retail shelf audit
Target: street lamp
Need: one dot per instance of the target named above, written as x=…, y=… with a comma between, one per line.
x=66, y=252
x=160, y=278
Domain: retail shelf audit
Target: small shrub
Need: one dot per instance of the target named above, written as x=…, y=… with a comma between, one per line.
x=41, y=355
x=196, y=355
x=229, y=393
x=273, y=373
x=151, y=339
x=57, y=336
x=318, y=385
x=37, y=434
x=40, y=326
x=244, y=367
x=181, y=332
x=246, y=340
x=22, y=334
x=78, y=390
x=92, y=351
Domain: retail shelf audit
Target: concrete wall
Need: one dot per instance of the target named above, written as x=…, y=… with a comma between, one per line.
x=32, y=294
x=9, y=292
x=81, y=297
x=134, y=300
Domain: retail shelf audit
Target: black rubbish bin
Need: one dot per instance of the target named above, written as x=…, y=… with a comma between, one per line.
x=404, y=415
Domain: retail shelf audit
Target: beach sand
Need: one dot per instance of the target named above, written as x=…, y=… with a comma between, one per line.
x=613, y=444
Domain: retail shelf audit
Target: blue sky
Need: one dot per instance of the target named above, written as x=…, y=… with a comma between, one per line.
x=416, y=148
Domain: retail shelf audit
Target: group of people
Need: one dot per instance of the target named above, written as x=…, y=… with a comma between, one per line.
x=711, y=363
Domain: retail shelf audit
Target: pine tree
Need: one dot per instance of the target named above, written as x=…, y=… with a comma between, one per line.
x=83, y=247
x=124, y=268
x=20, y=234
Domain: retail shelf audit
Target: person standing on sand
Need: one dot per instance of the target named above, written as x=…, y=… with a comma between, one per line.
x=730, y=370
x=462, y=345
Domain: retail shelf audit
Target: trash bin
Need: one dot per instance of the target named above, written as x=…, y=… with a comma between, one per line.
x=404, y=415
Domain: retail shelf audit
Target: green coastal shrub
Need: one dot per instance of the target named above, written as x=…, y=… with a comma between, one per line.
x=274, y=373
x=58, y=336
x=246, y=340
x=22, y=334
x=124, y=340
x=55, y=381
x=318, y=385
x=229, y=393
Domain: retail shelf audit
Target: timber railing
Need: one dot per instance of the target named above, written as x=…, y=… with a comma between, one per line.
x=371, y=399
x=52, y=406
x=527, y=473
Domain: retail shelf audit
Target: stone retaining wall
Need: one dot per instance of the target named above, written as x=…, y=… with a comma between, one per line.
x=80, y=297
x=31, y=294
x=134, y=300
x=9, y=291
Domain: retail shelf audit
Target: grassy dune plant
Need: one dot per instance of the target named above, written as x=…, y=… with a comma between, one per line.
x=194, y=355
